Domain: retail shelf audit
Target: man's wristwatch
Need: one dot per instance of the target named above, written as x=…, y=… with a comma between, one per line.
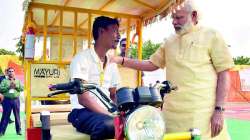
x=219, y=108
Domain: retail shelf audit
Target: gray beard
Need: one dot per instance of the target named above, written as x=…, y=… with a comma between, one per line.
x=186, y=27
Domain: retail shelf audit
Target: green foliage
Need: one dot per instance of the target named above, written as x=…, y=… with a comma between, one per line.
x=20, y=48
x=1, y=72
x=241, y=60
x=148, y=49
x=5, y=52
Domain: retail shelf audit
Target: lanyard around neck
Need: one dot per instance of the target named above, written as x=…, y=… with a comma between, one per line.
x=102, y=70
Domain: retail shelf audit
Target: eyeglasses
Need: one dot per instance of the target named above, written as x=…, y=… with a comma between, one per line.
x=123, y=45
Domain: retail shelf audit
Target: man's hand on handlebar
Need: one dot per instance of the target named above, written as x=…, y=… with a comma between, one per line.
x=51, y=87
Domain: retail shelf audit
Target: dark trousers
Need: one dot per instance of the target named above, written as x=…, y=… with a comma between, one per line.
x=98, y=126
x=9, y=105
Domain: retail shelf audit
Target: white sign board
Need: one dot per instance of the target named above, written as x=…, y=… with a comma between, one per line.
x=245, y=79
x=44, y=74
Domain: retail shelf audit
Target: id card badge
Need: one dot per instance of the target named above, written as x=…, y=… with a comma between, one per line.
x=11, y=91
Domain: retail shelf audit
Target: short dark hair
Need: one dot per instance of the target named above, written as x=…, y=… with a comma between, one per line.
x=10, y=68
x=102, y=22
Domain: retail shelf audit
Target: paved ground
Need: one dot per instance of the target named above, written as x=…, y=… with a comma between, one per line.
x=238, y=120
x=238, y=111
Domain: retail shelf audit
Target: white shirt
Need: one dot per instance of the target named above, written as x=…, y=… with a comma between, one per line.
x=86, y=65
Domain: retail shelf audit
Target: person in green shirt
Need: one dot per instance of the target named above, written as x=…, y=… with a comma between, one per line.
x=1, y=96
x=10, y=88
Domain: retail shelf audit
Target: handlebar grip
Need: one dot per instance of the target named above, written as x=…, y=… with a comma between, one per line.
x=67, y=86
x=64, y=86
x=58, y=92
x=178, y=136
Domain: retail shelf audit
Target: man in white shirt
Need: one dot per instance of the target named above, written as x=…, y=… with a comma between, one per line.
x=89, y=115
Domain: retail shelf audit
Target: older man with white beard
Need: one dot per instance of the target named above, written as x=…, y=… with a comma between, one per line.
x=197, y=60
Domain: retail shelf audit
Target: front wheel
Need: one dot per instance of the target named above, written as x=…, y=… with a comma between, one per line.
x=145, y=123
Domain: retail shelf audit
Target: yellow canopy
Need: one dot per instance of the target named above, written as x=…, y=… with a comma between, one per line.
x=148, y=10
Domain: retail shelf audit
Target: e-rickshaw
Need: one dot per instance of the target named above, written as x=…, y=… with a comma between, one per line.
x=55, y=30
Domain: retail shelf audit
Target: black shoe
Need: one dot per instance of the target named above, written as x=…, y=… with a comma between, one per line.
x=1, y=134
x=10, y=121
x=19, y=133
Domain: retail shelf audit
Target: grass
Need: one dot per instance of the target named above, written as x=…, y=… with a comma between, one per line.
x=238, y=129
x=10, y=133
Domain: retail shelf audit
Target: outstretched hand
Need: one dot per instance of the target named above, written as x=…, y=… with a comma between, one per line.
x=116, y=59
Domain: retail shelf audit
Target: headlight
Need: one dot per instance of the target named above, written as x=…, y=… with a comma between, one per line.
x=145, y=123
